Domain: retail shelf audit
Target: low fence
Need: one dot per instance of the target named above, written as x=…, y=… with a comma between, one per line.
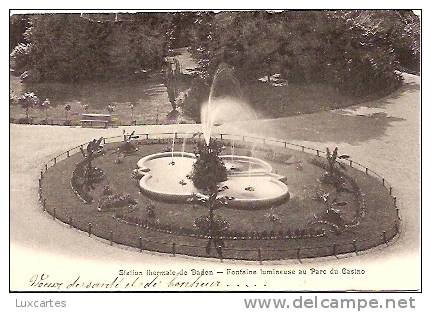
x=198, y=246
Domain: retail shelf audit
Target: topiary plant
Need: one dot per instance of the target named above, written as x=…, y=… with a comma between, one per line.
x=208, y=170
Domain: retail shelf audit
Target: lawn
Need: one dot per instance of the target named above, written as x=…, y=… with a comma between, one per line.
x=294, y=99
x=148, y=95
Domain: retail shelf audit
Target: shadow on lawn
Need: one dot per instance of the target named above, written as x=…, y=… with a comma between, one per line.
x=320, y=127
x=354, y=125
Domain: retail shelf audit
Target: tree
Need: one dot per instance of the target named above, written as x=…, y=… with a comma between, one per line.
x=91, y=174
x=66, y=47
x=132, y=109
x=333, y=175
x=358, y=52
x=208, y=172
x=332, y=161
x=18, y=25
x=27, y=101
x=45, y=105
x=173, y=70
x=67, y=108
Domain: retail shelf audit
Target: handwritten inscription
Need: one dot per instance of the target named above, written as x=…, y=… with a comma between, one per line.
x=194, y=279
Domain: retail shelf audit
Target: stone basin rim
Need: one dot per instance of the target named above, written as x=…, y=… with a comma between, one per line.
x=183, y=197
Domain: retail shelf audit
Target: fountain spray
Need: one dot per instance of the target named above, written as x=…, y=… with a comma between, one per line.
x=172, y=149
x=209, y=113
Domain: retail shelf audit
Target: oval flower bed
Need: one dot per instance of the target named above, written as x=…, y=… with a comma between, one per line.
x=313, y=223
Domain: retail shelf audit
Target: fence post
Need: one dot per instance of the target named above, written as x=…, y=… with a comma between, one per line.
x=104, y=140
x=395, y=201
x=302, y=148
x=385, y=240
x=398, y=213
x=259, y=255
x=383, y=181
x=221, y=136
x=355, y=246
x=41, y=174
x=40, y=183
x=317, y=152
x=46, y=167
x=366, y=170
x=140, y=243
x=146, y=136
x=89, y=229
x=111, y=237
x=68, y=153
x=55, y=160
x=334, y=250
x=285, y=144
x=351, y=163
x=173, y=249
x=390, y=190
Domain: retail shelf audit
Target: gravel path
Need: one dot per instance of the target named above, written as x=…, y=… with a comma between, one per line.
x=383, y=135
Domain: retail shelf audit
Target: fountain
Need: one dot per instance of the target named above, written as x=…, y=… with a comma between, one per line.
x=250, y=182
x=209, y=111
x=167, y=185
x=172, y=163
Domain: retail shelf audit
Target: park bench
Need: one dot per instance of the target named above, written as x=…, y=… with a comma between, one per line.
x=96, y=119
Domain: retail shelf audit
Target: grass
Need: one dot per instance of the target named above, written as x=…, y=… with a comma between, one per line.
x=294, y=214
x=294, y=99
x=152, y=105
x=149, y=97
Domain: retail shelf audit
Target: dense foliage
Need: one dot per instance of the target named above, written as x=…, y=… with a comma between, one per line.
x=209, y=169
x=356, y=51
x=67, y=47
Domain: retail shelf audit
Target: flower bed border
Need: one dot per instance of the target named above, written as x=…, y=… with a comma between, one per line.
x=238, y=253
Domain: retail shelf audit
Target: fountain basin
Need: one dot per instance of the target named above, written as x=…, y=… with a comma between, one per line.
x=250, y=181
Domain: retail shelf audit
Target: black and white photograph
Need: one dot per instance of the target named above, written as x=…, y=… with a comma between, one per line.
x=215, y=150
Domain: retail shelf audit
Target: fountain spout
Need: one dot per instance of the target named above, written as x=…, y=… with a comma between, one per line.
x=209, y=112
x=172, y=149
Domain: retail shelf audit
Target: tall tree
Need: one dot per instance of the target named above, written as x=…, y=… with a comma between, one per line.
x=66, y=47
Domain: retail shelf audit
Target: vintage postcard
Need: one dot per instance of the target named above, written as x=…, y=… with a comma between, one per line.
x=215, y=151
